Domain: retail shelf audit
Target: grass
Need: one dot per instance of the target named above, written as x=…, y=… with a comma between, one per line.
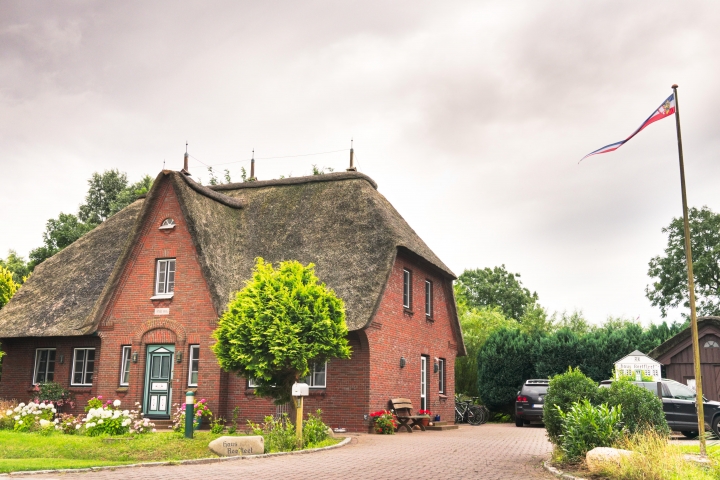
x=655, y=459
x=31, y=451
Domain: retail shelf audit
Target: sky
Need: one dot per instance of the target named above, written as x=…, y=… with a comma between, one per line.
x=471, y=117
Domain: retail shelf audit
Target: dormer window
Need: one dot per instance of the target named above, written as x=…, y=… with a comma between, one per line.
x=164, y=279
x=168, y=223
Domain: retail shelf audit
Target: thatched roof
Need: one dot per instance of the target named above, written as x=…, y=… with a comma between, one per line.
x=682, y=336
x=60, y=296
x=338, y=221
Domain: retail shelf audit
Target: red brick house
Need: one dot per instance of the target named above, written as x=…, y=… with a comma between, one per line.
x=127, y=311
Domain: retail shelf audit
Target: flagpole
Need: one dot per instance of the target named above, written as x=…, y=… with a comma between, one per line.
x=691, y=287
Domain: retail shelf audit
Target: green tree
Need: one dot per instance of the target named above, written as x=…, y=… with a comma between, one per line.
x=131, y=193
x=477, y=324
x=276, y=327
x=104, y=190
x=496, y=287
x=8, y=287
x=669, y=288
x=504, y=363
x=17, y=265
x=59, y=233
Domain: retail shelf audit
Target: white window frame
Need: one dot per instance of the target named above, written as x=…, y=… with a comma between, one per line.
x=310, y=379
x=407, y=289
x=441, y=375
x=47, y=364
x=251, y=383
x=84, y=367
x=428, y=298
x=164, y=288
x=124, y=365
x=194, y=356
x=168, y=223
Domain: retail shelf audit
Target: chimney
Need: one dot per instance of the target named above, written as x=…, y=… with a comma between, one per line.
x=352, y=163
x=252, y=167
x=185, y=162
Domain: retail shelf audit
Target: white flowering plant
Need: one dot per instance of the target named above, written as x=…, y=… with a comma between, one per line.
x=69, y=424
x=139, y=424
x=32, y=416
x=107, y=419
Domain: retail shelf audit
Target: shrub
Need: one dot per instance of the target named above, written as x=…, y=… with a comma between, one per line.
x=642, y=410
x=383, y=422
x=279, y=434
x=69, y=424
x=217, y=425
x=6, y=414
x=55, y=393
x=314, y=430
x=565, y=389
x=32, y=416
x=178, y=418
x=107, y=420
x=585, y=427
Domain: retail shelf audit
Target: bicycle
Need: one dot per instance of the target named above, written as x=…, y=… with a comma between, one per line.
x=467, y=411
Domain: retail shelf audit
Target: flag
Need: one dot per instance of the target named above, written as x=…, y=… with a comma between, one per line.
x=665, y=110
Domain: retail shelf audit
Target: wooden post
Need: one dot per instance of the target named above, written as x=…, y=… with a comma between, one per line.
x=298, y=422
x=691, y=288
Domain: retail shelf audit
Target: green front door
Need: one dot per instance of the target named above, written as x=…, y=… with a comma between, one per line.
x=158, y=380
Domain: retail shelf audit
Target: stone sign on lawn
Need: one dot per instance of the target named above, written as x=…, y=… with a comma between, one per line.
x=234, y=446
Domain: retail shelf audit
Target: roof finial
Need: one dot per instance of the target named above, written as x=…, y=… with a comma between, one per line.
x=252, y=167
x=185, y=163
x=352, y=163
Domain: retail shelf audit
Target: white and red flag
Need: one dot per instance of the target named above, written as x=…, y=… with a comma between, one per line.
x=665, y=110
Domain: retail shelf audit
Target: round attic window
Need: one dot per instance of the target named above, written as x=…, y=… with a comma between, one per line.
x=168, y=223
x=711, y=344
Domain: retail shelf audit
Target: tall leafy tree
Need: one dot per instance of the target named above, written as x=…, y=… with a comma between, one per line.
x=130, y=193
x=17, y=266
x=104, y=190
x=59, y=233
x=488, y=287
x=504, y=363
x=8, y=287
x=276, y=327
x=669, y=288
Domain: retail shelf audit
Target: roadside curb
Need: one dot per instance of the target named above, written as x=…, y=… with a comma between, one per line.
x=558, y=473
x=197, y=461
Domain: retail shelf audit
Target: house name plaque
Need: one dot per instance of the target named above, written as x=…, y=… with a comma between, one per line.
x=162, y=311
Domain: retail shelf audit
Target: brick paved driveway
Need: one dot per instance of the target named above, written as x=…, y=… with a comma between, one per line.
x=484, y=452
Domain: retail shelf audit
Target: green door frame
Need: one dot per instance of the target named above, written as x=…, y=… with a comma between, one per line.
x=157, y=392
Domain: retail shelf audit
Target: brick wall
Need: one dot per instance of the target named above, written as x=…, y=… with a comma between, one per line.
x=398, y=332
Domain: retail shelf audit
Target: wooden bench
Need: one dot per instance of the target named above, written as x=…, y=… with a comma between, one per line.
x=404, y=413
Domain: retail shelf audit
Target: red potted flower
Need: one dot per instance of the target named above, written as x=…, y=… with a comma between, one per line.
x=425, y=421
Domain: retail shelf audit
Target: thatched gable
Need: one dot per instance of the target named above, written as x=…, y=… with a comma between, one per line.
x=337, y=221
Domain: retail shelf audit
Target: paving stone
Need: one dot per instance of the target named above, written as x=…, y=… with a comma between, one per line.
x=486, y=452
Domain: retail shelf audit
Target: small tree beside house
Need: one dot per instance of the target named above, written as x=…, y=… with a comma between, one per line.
x=275, y=328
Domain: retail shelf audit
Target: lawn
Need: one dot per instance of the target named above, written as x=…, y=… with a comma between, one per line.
x=31, y=451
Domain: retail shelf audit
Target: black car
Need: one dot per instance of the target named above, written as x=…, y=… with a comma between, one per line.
x=679, y=406
x=529, y=402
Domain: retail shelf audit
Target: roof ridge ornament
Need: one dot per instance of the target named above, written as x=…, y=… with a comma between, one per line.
x=185, y=170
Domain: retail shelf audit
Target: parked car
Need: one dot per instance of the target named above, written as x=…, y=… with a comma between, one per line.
x=679, y=406
x=529, y=402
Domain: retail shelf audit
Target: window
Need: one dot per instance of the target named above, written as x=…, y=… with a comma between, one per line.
x=251, y=383
x=167, y=224
x=428, y=299
x=407, y=289
x=44, y=365
x=165, y=278
x=441, y=375
x=83, y=366
x=193, y=365
x=711, y=344
x=318, y=375
x=125, y=366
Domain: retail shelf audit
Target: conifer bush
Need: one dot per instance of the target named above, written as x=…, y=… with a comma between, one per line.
x=565, y=389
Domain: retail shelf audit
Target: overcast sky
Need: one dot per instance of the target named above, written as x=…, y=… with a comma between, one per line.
x=471, y=117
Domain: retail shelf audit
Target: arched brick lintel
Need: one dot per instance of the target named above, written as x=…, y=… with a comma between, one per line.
x=157, y=324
